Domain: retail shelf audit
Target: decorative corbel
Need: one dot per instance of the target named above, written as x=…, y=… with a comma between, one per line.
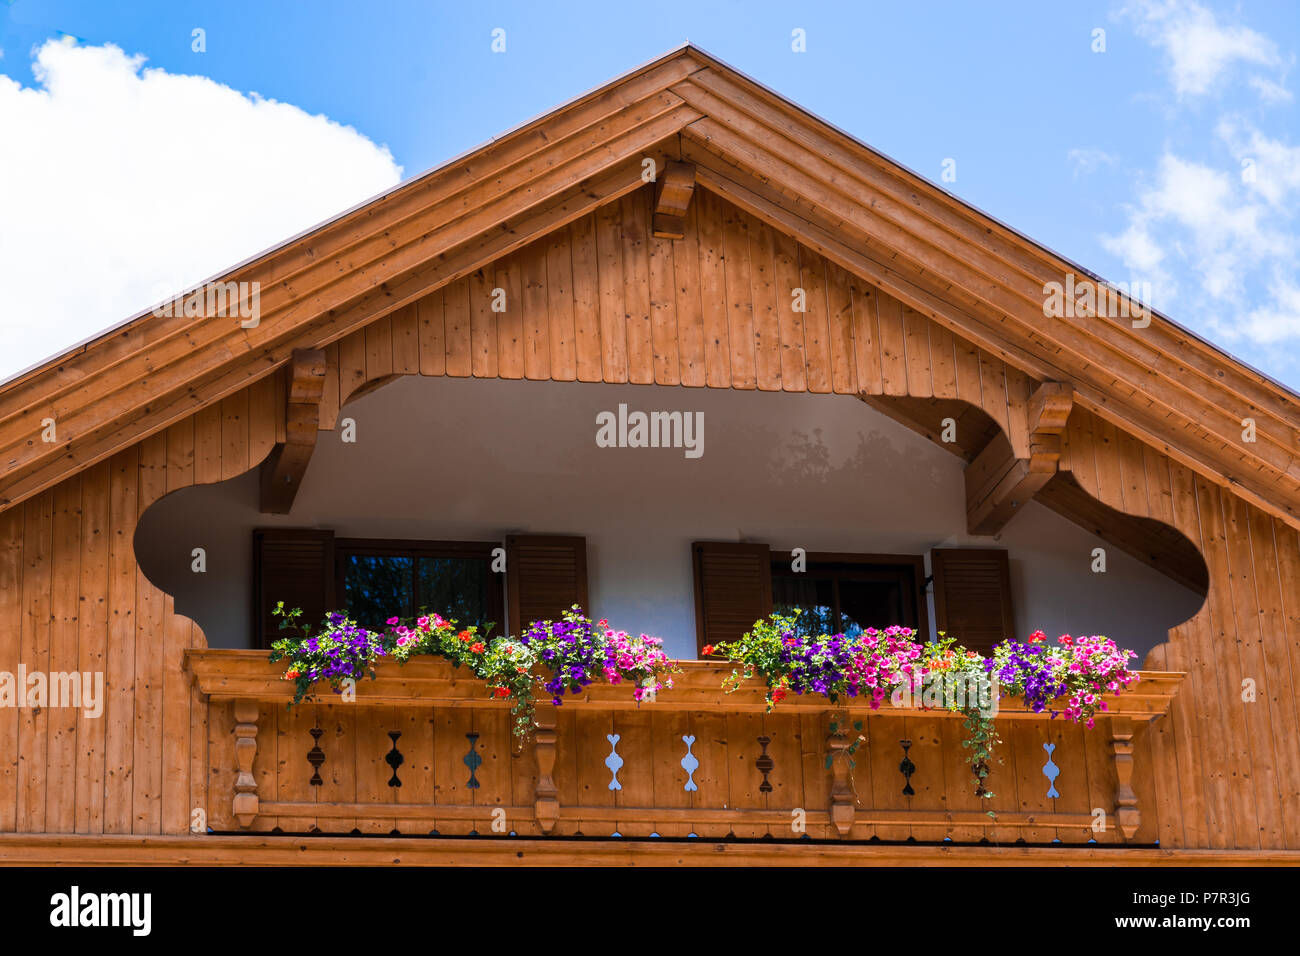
x=676, y=186
x=997, y=482
x=283, y=471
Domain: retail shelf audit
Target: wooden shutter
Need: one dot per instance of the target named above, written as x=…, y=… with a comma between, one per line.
x=295, y=566
x=733, y=589
x=545, y=576
x=972, y=595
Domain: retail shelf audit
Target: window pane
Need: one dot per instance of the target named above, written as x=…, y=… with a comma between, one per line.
x=376, y=587
x=866, y=604
x=814, y=596
x=455, y=588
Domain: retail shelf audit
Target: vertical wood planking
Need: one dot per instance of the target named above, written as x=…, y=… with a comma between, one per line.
x=785, y=276
x=1260, y=723
x=916, y=345
x=119, y=662
x=234, y=445
x=92, y=629
x=433, y=346
x=667, y=776
x=839, y=303
x=816, y=327
x=893, y=347
x=34, y=655
x=12, y=538
x=613, y=325
x=416, y=727
x=61, y=746
x=690, y=315
x=457, y=327
x=586, y=299
x=151, y=622
x=743, y=776
x=767, y=307
x=636, y=746
x=943, y=362
x=713, y=776
x=406, y=340
x=738, y=285
x=969, y=388
x=1226, y=663
x=537, y=320
x=960, y=783
x=866, y=337
x=482, y=323
x=993, y=390
x=663, y=312
x=510, y=323
x=713, y=286
x=352, y=364
x=636, y=292
x=560, y=306
x=379, y=348
x=1288, y=570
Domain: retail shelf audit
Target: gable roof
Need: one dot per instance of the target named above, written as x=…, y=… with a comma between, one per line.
x=859, y=209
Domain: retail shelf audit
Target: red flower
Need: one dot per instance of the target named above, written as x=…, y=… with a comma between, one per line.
x=778, y=695
x=500, y=691
x=1066, y=639
x=290, y=675
x=1037, y=636
x=477, y=647
x=465, y=636
x=707, y=650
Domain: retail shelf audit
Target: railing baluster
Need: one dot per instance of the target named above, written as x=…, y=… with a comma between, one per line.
x=690, y=763
x=1051, y=771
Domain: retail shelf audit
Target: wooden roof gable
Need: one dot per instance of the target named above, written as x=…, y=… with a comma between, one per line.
x=859, y=209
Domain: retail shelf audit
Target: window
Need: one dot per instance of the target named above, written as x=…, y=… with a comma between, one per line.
x=379, y=579
x=846, y=593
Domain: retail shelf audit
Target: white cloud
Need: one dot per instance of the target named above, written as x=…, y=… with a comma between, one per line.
x=120, y=184
x=1270, y=168
x=1269, y=91
x=1231, y=235
x=1089, y=160
x=1279, y=320
x=1200, y=51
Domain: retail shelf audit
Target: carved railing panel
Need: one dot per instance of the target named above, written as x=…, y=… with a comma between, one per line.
x=427, y=755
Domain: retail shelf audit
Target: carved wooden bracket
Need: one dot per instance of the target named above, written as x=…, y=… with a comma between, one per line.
x=842, y=805
x=997, y=482
x=244, y=805
x=676, y=186
x=283, y=471
x=546, y=803
x=1129, y=816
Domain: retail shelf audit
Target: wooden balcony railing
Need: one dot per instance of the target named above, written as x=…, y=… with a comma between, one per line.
x=423, y=750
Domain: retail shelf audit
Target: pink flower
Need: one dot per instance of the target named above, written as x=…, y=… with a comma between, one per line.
x=393, y=620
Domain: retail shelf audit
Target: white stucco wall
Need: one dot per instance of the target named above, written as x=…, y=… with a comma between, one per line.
x=441, y=458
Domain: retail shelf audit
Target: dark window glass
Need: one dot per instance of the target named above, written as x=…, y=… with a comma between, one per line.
x=455, y=588
x=375, y=587
x=383, y=579
x=846, y=597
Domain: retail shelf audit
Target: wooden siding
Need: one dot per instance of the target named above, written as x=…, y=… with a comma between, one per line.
x=72, y=597
x=602, y=300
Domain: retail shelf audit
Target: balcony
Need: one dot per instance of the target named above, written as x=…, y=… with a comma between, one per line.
x=423, y=750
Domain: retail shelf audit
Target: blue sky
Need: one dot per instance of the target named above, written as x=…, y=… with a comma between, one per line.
x=1172, y=158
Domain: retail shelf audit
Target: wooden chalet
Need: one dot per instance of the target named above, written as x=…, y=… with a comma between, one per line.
x=421, y=388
